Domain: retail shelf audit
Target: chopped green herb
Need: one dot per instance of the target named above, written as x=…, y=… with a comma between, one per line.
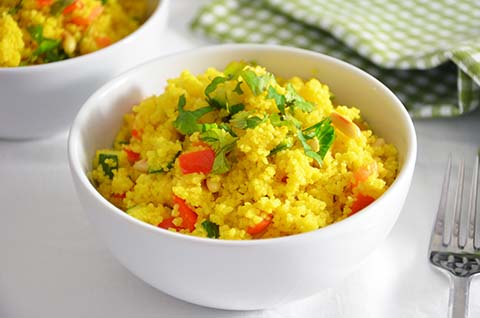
x=280, y=99
x=325, y=134
x=211, y=228
x=213, y=85
x=244, y=120
x=294, y=100
x=233, y=69
x=238, y=89
x=186, y=122
x=235, y=108
x=306, y=147
x=257, y=83
x=48, y=48
x=215, y=102
x=288, y=143
x=46, y=45
x=109, y=162
x=222, y=143
x=36, y=32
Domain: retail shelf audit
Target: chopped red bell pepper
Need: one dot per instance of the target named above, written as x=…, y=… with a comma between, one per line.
x=361, y=202
x=260, y=226
x=91, y=17
x=136, y=134
x=119, y=195
x=132, y=156
x=77, y=4
x=168, y=223
x=200, y=161
x=187, y=214
x=103, y=41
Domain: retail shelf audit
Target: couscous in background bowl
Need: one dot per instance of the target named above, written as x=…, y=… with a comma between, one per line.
x=40, y=100
x=242, y=274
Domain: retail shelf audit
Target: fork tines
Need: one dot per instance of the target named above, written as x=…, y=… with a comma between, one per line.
x=463, y=224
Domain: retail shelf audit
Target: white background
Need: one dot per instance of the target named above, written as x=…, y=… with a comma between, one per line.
x=52, y=264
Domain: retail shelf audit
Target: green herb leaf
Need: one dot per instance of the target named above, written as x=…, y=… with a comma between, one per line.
x=211, y=228
x=324, y=133
x=238, y=89
x=244, y=120
x=49, y=48
x=55, y=55
x=294, y=100
x=257, y=84
x=288, y=143
x=186, y=122
x=233, y=69
x=307, y=149
x=222, y=143
x=213, y=85
x=235, y=108
x=280, y=99
x=109, y=162
x=36, y=32
x=215, y=102
x=46, y=45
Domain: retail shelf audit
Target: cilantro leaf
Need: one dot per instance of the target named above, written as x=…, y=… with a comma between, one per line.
x=324, y=133
x=213, y=85
x=257, y=83
x=244, y=120
x=294, y=100
x=235, y=108
x=233, y=69
x=222, y=143
x=280, y=99
x=36, y=32
x=46, y=45
x=307, y=149
x=186, y=122
x=211, y=228
x=238, y=89
x=288, y=143
x=49, y=48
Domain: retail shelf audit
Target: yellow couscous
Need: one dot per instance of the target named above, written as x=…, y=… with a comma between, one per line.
x=43, y=31
x=241, y=154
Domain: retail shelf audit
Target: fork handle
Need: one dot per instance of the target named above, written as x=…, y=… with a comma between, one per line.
x=458, y=301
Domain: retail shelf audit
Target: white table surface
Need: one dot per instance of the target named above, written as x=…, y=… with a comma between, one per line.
x=52, y=264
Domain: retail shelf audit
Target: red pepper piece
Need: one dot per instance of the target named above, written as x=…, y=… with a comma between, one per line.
x=361, y=202
x=200, y=161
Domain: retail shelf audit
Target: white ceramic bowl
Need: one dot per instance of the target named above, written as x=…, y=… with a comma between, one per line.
x=40, y=100
x=241, y=274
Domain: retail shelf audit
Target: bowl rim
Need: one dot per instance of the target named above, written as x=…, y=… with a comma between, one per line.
x=160, y=9
x=74, y=142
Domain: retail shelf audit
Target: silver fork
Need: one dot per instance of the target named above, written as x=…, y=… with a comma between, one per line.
x=455, y=240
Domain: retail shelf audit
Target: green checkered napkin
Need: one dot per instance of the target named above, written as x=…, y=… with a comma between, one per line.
x=426, y=51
